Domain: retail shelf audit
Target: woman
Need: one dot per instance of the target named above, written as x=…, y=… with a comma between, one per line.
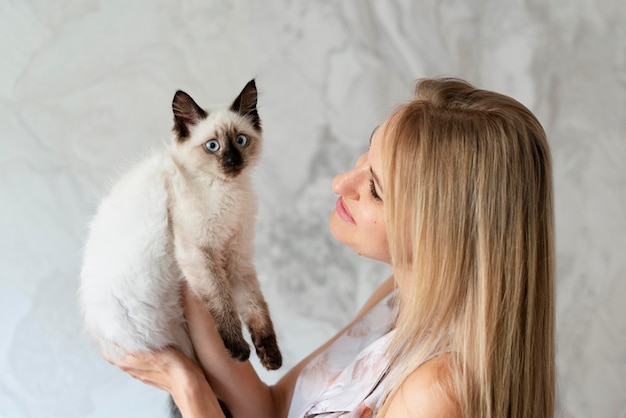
x=455, y=194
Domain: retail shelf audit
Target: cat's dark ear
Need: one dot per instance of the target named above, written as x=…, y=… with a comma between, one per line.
x=186, y=114
x=245, y=104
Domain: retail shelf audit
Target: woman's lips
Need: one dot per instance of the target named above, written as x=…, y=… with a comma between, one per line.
x=343, y=212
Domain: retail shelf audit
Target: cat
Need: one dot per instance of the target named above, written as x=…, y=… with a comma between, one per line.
x=186, y=213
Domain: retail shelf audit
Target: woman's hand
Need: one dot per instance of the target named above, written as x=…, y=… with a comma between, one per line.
x=164, y=369
x=171, y=371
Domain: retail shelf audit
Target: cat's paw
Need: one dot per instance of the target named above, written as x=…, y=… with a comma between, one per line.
x=268, y=352
x=238, y=349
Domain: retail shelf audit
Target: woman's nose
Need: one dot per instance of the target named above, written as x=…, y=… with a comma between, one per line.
x=346, y=184
x=341, y=183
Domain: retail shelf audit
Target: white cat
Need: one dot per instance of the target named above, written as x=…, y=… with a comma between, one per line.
x=186, y=213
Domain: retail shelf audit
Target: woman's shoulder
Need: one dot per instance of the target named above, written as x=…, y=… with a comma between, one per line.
x=428, y=392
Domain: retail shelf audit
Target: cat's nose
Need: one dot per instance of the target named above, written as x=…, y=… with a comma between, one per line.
x=233, y=158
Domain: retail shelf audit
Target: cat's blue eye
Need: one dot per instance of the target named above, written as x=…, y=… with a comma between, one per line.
x=212, y=145
x=241, y=140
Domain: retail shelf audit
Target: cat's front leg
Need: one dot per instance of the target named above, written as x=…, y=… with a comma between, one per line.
x=256, y=315
x=208, y=279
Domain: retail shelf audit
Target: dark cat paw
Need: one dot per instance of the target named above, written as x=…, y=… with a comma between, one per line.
x=268, y=352
x=238, y=349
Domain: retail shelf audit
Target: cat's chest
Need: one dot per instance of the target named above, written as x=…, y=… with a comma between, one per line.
x=213, y=207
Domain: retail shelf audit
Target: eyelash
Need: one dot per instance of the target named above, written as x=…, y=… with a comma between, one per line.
x=373, y=191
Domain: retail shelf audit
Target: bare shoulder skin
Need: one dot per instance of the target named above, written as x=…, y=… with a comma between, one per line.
x=426, y=393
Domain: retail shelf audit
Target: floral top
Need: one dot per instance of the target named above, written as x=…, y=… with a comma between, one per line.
x=346, y=379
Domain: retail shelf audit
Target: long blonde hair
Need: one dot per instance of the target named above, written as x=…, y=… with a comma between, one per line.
x=468, y=206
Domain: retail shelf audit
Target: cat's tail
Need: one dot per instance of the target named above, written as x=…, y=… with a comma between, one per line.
x=174, y=411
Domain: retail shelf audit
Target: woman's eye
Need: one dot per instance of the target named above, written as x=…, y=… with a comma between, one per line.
x=373, y=191
x=241, y=140
x=212, y=145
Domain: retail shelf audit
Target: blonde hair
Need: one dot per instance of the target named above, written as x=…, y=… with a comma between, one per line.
x=468, y=206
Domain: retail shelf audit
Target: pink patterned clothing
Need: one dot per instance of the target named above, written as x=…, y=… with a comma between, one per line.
x=346, y=379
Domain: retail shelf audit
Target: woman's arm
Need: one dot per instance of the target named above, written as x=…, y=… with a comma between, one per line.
x=197, y=388
x=236, y=383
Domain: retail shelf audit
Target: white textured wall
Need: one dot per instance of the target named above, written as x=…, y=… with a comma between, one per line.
x=86, y=86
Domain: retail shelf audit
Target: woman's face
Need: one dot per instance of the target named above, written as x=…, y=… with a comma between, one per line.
x=358, y=219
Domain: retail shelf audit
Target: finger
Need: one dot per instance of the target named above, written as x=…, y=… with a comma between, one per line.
x=140, y=360
x=111, y=359
x=106, y=357
x=116, y=361
x=130, y=360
